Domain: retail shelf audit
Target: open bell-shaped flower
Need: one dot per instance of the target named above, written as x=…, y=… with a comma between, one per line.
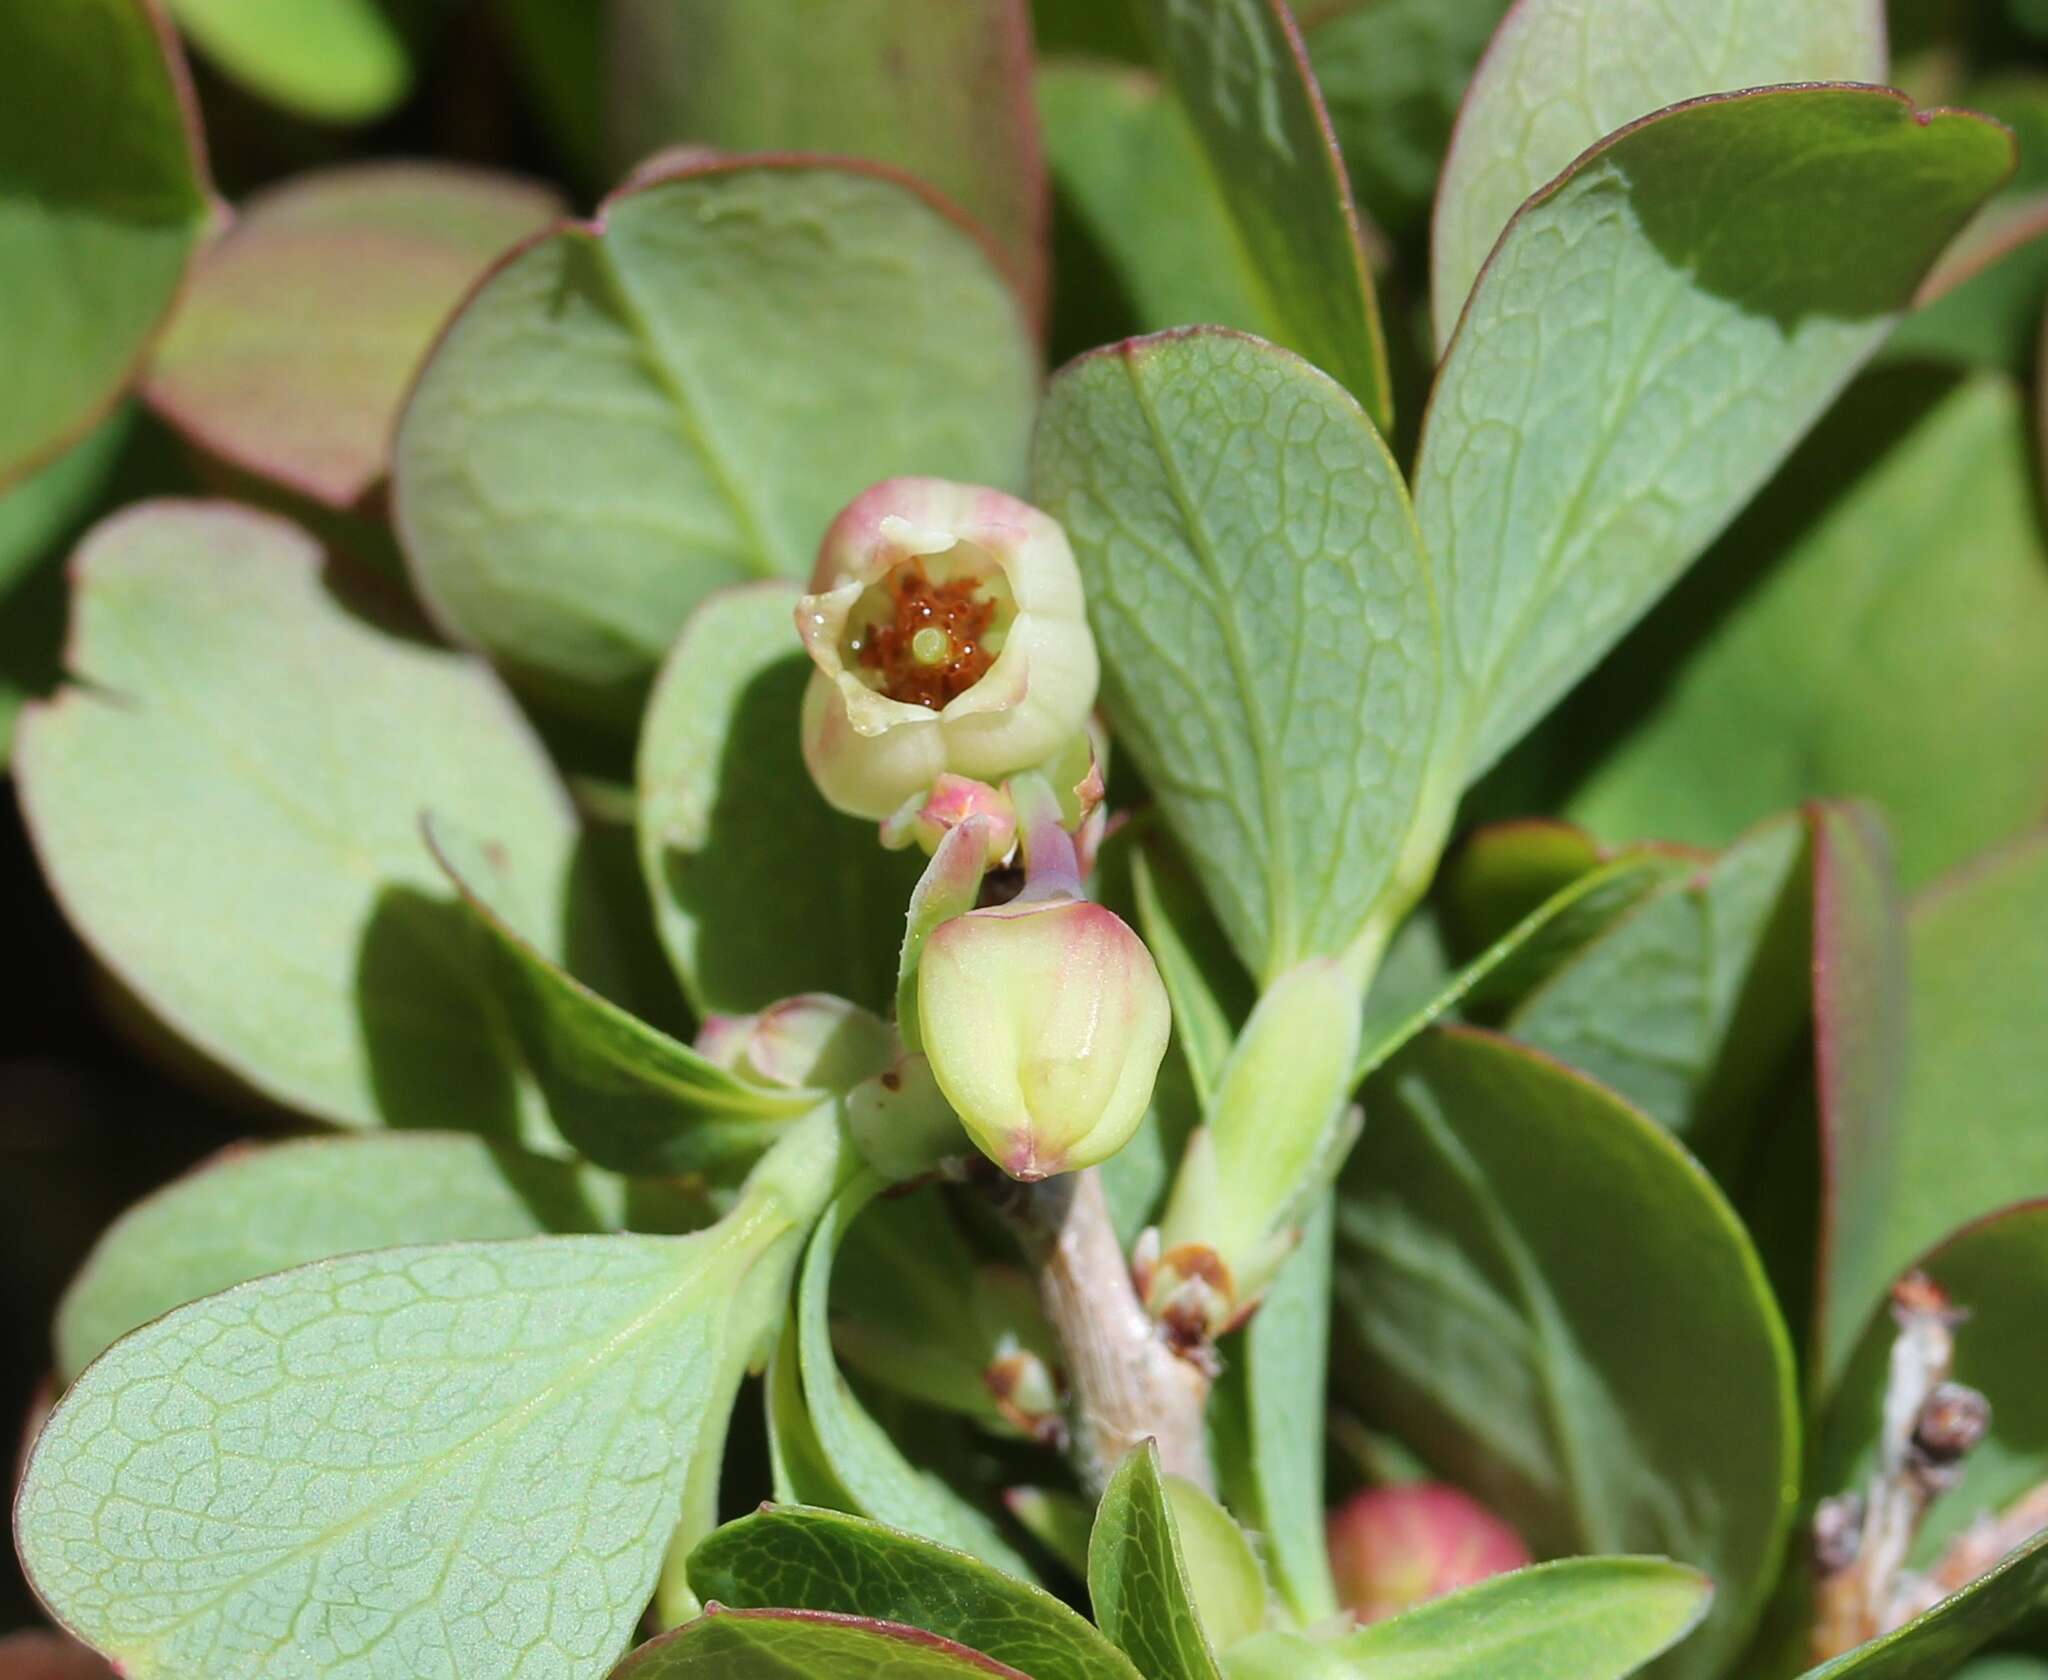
x=946, y=623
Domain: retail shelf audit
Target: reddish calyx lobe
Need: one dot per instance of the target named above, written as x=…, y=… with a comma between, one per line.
x=933, y=647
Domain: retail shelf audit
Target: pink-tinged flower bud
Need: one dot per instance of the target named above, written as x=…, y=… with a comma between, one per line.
x=1044, y=1021
x=947, y=626
x=1392, y=1548
x=814, y=1041
x=927, y=818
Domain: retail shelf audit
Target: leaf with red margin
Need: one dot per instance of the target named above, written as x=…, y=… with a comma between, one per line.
x=295, y=344
x=632, y=412
x=1860, y=1005
x=1560, y=74
x=1241, y=72
x=804, y=1645
x=938, y=88
x=105, y=197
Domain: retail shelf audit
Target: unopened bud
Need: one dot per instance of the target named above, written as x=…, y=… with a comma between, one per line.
x=925, y=819
x=1837, y=1532
x=1396, y=1547
x=1953, y=1419
x=947, y=627
x=814, y=1041
x=1045, y=1021
x=1026, y=1393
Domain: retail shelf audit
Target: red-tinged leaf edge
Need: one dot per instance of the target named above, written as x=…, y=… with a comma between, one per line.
x=897, y=1632
x=1976, y=250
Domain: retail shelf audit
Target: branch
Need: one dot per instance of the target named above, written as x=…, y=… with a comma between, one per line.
x=1127, y=1383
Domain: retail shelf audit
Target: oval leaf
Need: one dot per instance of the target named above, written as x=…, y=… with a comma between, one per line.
x=823, y=1560
x=227, y=805
x=1138, y=1579
x=1241, y=73
x=938, y=88
x=680, y=395
x=292, y=350
x=1482, y=1319
x=1562, y=74
x=250, y=1212
x=105, y=197
x=1633, y=365
x=466, y=1456
x=1266, y=619
x=804, y=1645
x=337, y=60
x=760, y=889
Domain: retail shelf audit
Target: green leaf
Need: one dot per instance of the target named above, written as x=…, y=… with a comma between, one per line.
x=1652, y=335
x=2006, y=1665
x=1878, y=627
x=466, y=1456
x=1943, y=1638
x=760, y=889
x=103, y=197
x=1970, y=1138
x=623, y=1092
x=558, y=48
x=1207, y=987
x=1562, y=74
x=227, y=805
x=292, y=349
x=940, y=89
x=341, y=61
x=1267, y=1420
x=1138, y=1579
x=1482, y=1319
x=1129, y=166
x=1861, y=1015
x=1504, y=870
x=681, y=394
x=804, y=1645
x=1996, y=1270
x=38, y=517
x=252, y=1211
x=872, y=1469
x=1225, y=1582
x=1596, y=1618
x=1981, y=307
x=1687, y=1004
x=1393, y=73
x=1241, y=74
x=823, y=1560
x=1266, y=619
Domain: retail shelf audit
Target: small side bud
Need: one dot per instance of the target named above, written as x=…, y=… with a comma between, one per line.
x=1045, y=1022
x=1952, y=1421
x=925, y=819
x=813, y=1041
x=1396, y=1547
x=1027, y=1393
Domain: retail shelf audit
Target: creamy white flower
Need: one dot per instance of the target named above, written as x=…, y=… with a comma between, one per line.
x=949, y=633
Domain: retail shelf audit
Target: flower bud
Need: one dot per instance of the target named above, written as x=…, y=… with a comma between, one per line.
x=1392, y=1548
x=1045, y=1021
x=947, y=626
x=927, y=818
x=812, y=1041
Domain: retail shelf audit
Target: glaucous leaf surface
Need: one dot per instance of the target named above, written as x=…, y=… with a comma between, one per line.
x=1955, y=1629
x=1996, y=1270
x=760, y=889
x=862, y=1457
x=824, y=1560
x=103, y=197
x=940, y=89
x=1822, y=651
x=1242, y=76
x=1861, y=1016
x=1655, y=331
x=38, y=515
x=1267, y=1417
x=333, y=60
x=1393, y=74
x=804, y=1645
x=464, y=1457
x=1266, y=619
x=1969, y=1138
x=1687, y=1003
x=1482, y=1318
x=1138, y=1579
x=227, y=805
x=1562, y=74
x=256, y=1210
x=623, y=1093
x=1129, y=166
x=1596, y=1618
x=290, y=354
x=679, y=395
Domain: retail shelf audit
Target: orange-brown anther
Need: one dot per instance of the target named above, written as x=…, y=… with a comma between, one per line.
x=932, y=649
